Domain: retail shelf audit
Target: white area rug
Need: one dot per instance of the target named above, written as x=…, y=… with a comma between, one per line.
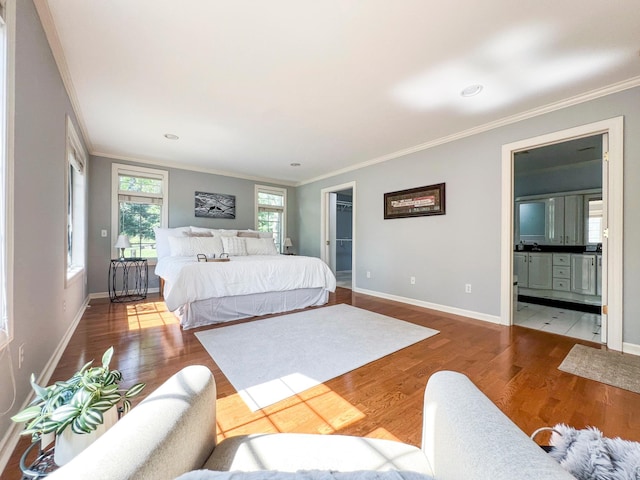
x=272, y=359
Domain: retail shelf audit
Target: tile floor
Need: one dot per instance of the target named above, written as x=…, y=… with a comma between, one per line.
x=571, y=323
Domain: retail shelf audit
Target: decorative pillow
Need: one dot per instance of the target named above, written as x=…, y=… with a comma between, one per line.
x=202, y=230
x=192, y=246
x=199, y=234
x=162, y=238
x=261, y=246
x=248, y=234
x=234, y=246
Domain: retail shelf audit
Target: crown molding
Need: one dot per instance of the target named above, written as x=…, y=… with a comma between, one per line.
x=552, y=107
x=193, y=168
x=48, y=25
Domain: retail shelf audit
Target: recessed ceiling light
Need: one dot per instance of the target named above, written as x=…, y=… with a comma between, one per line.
x=295, y=164
x=471, y=90
x=171, y=136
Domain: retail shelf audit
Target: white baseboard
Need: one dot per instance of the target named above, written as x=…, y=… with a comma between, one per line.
x=106, y=294
x=10, y=440
x=433, y=306
x=632, y=348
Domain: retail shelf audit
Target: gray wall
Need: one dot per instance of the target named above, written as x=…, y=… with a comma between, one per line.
x=40, y=319
x=182, y=186
x=445, y=252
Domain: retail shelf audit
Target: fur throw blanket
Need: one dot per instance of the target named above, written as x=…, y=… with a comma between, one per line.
x=588, y=455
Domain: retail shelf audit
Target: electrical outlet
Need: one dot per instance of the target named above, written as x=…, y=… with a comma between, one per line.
x=368, y=274
x=467, y=288
x=20, y=355
x=103, y=233
x=412, y=280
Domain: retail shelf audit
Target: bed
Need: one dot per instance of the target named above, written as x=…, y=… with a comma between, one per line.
x=255, y=281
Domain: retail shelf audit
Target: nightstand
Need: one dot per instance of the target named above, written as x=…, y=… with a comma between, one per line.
x=128, y=279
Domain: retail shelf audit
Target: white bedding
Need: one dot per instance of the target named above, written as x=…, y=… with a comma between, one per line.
x=188, y=281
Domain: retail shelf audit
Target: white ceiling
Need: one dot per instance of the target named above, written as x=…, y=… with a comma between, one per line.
x=252, y=86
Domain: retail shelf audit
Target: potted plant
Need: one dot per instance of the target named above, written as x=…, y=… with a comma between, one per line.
x=86, y=405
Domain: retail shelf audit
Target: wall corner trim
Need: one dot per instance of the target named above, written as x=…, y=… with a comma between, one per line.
x=631, y=348
x=432, y=306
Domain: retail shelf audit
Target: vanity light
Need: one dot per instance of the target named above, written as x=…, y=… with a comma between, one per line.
x=171, y=136
x=471, y=90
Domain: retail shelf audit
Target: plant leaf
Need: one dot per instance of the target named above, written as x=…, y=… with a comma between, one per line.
x=106, y=358
x=40, y=391
x=64, y=413
x=84, y=368
x=103, y=405
x=93, y=417
x=27, y=414
x=134, y=390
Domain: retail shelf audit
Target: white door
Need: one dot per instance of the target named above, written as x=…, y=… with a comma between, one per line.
x=540, y=270
x=521, y=269
x=583, y=274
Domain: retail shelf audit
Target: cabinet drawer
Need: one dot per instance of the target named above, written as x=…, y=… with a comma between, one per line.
x=561, y=272
x=562, y=259
x=561, y=284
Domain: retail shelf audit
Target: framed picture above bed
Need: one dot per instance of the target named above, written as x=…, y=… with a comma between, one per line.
x=215, y=205
x=415, y=202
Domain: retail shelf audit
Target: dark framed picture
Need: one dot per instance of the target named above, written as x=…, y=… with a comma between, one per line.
x=215, y=205
x=415, y=202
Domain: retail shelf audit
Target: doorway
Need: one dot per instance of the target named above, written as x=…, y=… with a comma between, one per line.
x=612, y=196
x=338, y=232
x=558, y=218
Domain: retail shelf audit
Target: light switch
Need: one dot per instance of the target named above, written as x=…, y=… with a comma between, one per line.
x=103, y=233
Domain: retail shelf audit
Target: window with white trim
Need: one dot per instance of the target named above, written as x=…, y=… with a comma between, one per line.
x=140, y=204
x=76, y=203
x=271, y=209
x=7, y=46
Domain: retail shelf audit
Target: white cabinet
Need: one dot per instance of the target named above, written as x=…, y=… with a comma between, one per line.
x=562, y=272
x=521, y=268
x=583, y=274
x=540, y=270
x=554, y=220
x=565, y=217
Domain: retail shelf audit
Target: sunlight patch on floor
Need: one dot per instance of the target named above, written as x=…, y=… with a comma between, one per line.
x=317, y=410
x=148, y=315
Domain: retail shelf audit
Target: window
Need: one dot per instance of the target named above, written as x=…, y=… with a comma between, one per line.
x=594, y=219
x=139, y=204
x=7, y=45
x=271, y=207
x=76, y=203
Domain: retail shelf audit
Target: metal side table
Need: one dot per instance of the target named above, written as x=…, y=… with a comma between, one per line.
x=128, y=279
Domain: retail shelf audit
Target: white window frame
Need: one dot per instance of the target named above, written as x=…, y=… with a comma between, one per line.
x=273, y=191
x=135, y=171
x=76, y=158
x=7, y=114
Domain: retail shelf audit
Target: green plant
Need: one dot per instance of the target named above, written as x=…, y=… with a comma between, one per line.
x=79, y=402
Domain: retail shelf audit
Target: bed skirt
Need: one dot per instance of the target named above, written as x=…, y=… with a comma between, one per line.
x=226, y=309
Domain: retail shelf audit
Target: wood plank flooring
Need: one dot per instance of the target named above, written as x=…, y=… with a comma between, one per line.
x=514, y=366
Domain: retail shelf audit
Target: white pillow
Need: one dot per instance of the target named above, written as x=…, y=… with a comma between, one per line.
x=192, y=246
x=265, y=234
x=261, y=246
x=234, y=246
x=162, y=239
x=225, y=233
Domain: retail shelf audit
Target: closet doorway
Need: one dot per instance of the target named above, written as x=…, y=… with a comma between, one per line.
x=338, y=232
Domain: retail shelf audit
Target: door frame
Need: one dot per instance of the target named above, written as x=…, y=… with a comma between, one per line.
x=324, y=225
x=612, y=254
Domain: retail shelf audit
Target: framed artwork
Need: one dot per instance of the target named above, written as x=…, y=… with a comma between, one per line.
x=415, y=202
x=215, y=205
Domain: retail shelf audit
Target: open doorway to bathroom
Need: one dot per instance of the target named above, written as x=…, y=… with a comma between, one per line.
x=558, y=219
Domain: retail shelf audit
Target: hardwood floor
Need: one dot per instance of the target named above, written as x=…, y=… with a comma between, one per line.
x=514, y=366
